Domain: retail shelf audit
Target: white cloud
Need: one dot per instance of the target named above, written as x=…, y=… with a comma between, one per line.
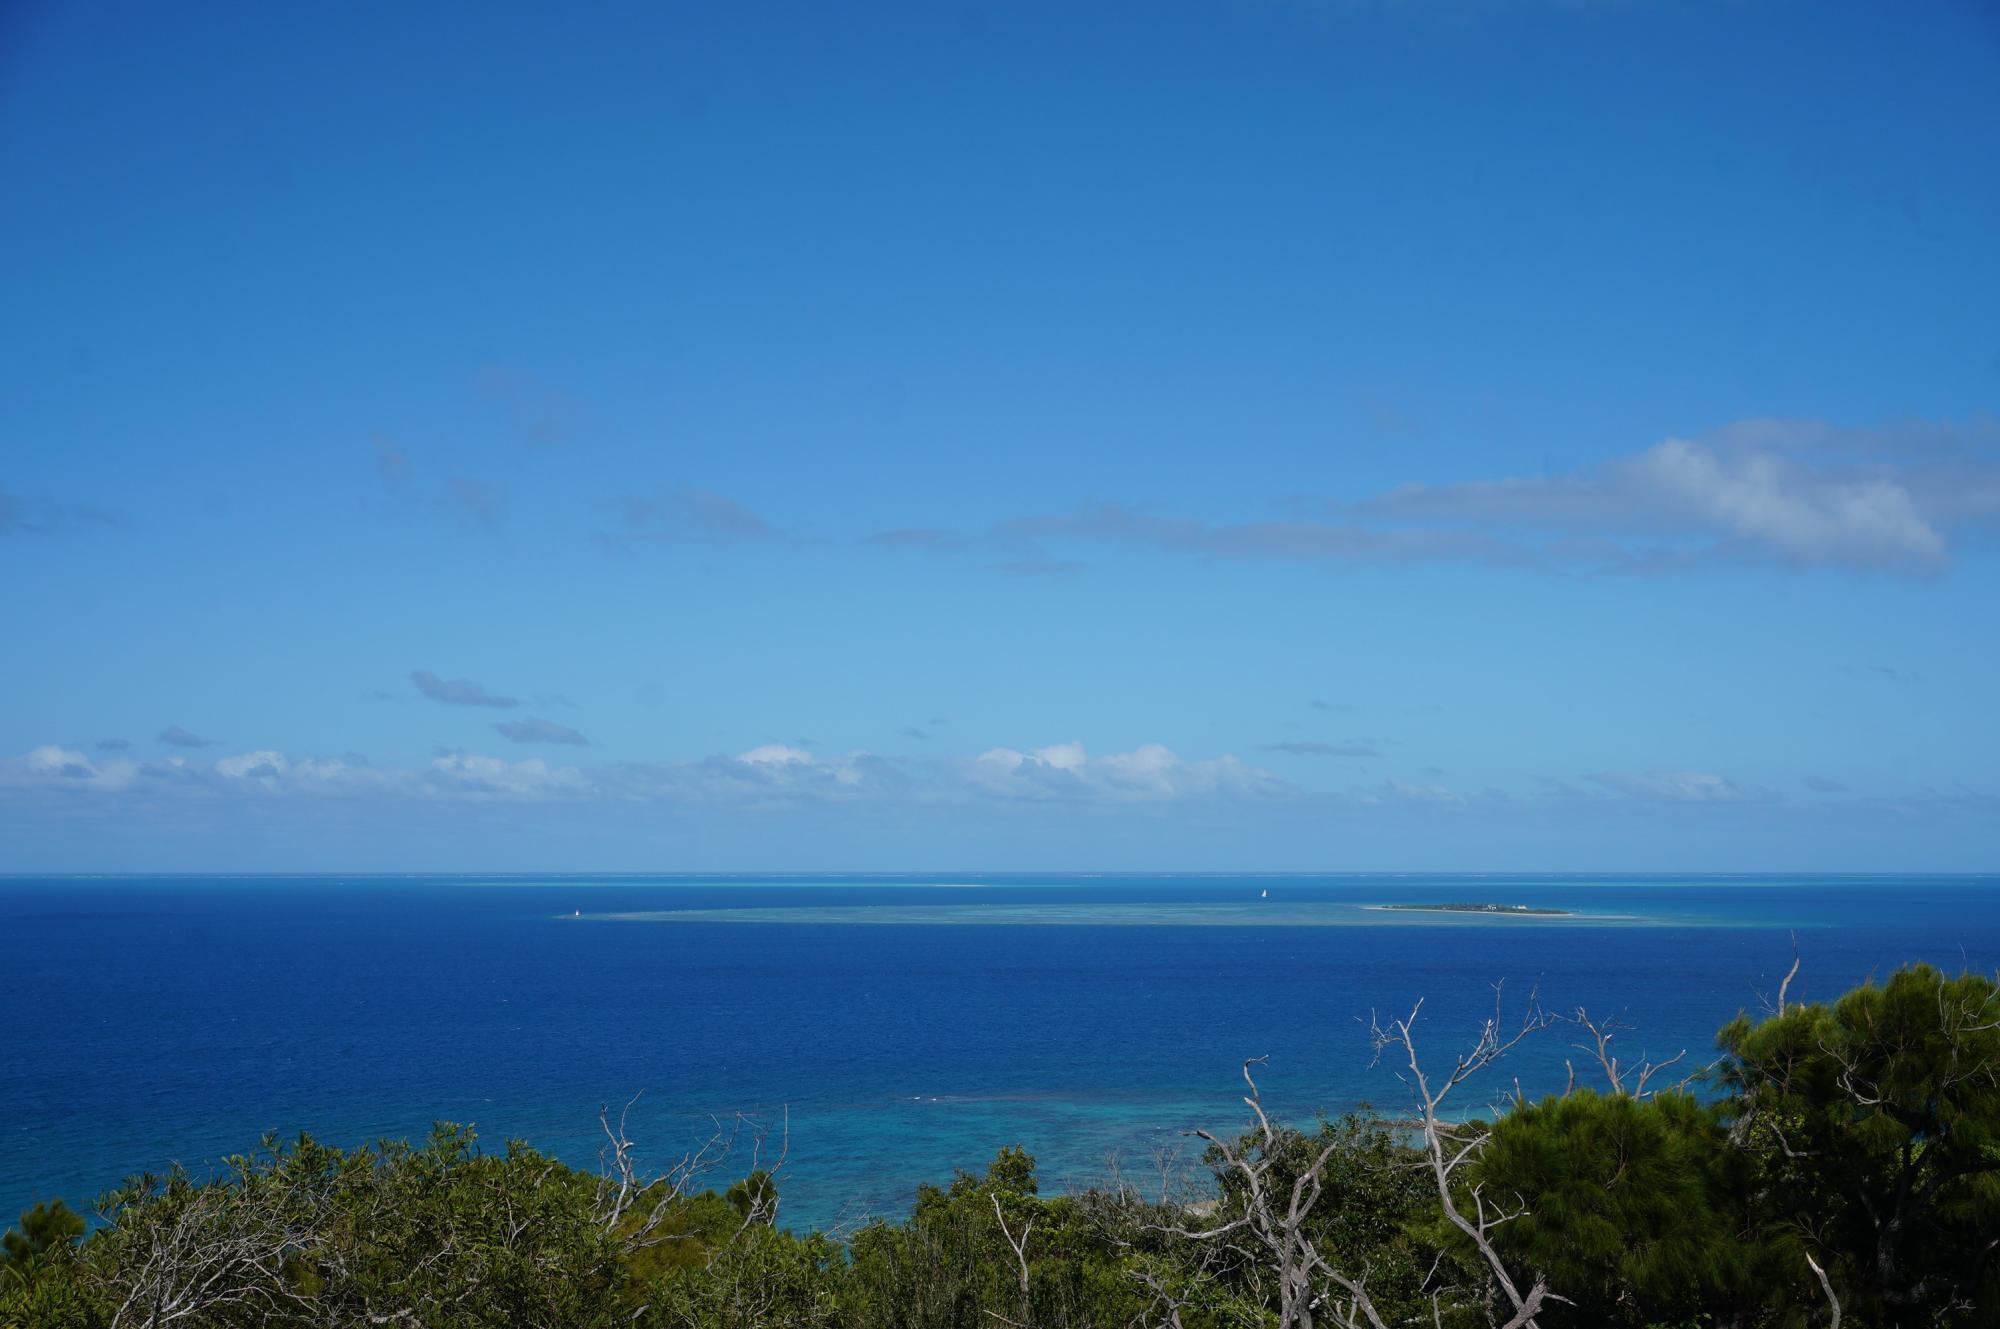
x=780, y=775
x=270, y=773
x=776, y=754
x=1064, y=756
x=265, y=764
x=1797, y=494
x=465, y=775
x=1151, y=773
x=51, y=764
x=61, y=762
x=771, y=774
x=1703, y=501
x=1677, y=787
x=686, y=516
x=1800, y=513
x=1436, y=795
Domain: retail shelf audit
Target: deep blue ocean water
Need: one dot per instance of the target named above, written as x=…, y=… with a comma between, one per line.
x=909, y=1025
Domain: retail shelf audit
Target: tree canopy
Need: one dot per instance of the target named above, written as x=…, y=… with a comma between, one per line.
x=1839, y=1164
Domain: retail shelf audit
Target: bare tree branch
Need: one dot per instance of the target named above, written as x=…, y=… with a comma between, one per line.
x=1826, y=1286
x=1615, y=1074
x=1276, y=1220
x=1785, y=987
x=1447, y=1152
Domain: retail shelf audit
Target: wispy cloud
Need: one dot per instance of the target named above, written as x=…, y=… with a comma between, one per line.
x=20, y=515
x=1308, y=749
x=391, y=462
x=1890, y=674
x=534, y=729
x=917, y=538
x=261, y=765
x=1759, y=493
x=1001, y=792
x=51, y=762
x=685, y=516
x=1302, y=540
x=1677, y=787
x=538, y=412
x=1146, y=774
x=175, y=736
x=113, y=744
x=1062, y=773
x=483, y=503
x=457, y=691
x=767, y=775
x=464, y=775
x=272, y=774
x=1397, y=791
x=1691, y=502
x=1036, y=567
x=1819, y=784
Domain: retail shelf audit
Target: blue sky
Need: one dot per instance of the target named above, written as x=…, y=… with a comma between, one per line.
x=1244, y=434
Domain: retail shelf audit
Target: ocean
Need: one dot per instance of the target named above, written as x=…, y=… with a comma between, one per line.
x=893, y=1028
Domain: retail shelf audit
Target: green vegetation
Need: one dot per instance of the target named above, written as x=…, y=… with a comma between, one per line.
x=1841, y=1166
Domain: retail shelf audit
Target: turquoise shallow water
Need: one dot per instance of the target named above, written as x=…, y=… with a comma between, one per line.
x=1258, y=911
x=907, y=1025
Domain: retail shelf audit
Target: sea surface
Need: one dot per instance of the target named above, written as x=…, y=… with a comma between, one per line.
x=892, y=1028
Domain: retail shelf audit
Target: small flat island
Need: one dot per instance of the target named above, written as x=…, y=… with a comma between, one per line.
x=1476, y=907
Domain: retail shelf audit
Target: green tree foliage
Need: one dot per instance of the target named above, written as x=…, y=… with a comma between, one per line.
x=1874, y=1127
x=47, y=1227
x=1376, y=1209
x=763, y=1277
x=1846, y=1153
x=37, y=1276
x=951, y=1264
x=1632, y=1207
x=755, y=1198
x=453, y=1236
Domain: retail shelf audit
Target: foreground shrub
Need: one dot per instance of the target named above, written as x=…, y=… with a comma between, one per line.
x=1845, y=1163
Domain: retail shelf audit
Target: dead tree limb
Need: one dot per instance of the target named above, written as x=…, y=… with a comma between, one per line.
x=1826, y=1286
x=189, y=1253
x=1019, y=1246
x=1615, y=1073
x=1783, y=988
x=1449, y=1146
x=1275, y=1219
